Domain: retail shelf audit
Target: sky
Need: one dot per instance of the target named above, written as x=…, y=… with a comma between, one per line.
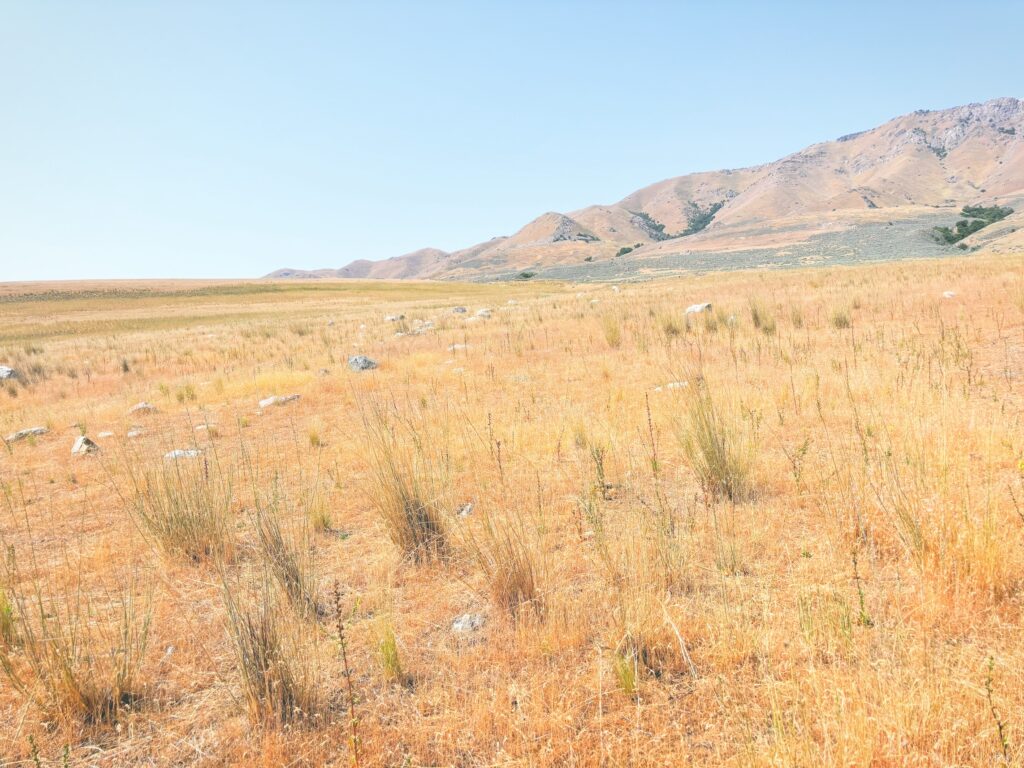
x=220, y=139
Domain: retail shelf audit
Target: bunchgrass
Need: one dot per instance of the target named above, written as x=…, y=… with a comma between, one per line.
x=186, y=511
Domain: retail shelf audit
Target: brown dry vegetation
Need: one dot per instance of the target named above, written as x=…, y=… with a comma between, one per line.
x=810, y=554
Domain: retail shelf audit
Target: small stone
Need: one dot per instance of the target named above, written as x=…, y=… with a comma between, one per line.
x=695, y=309
x=467, y=509
x=83, y=445
x=23, y=433
x=135, y=432
x=143, y=407
x=393, y=318
x=361, y=363
x=485, y=312
x=459, y=310
x=945, y=295
x=468, y=622
x=457, y=347
x=183, y=453
x=7, y=372
x=277, y=400
x=104, y=435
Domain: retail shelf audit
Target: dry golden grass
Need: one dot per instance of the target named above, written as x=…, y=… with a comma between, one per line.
x=787, y=532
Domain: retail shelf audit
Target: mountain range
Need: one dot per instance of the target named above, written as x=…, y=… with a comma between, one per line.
x=878, y=193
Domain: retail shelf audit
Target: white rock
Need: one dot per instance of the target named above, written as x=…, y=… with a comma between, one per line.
x=183, y=453
x=457, y=347
x=695, y=309
x=615, y=288
x=945, y=295
x=103, y=435
x=7, y=372
x=485, y=312
x=135, y=432
x=393, y=318
x=467, y=509
x=23, y=433
x=83, y=445
x=277, y=400
x=205, y=427
x=468, y=622
x=361, y=363
x=143, y=407
x=459, y=310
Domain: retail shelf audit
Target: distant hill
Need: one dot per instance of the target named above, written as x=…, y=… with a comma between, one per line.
x=829, y=201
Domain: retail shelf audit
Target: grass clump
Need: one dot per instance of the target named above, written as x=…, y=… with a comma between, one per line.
x=277, y=675
x=187, y=512
x=406, y=482
x=79, y=657
x=841, y=319
x=719, y=452
x=509, y=564
x=762, y=319
x=612, y=330
x=287, y=561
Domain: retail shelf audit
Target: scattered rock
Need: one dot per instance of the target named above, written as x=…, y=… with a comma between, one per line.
x=277, y=400
x=23, y=433
x=457, y=347
x=695, y=309
x=206, y=428
x=459, y=310
x=83, y=445
x=103, y=435
x=467, y=509
x=615, y=289
x=673, y=385
x=183, y=453
x=361, y=363
x=945, y=295
x=485, y=312
x=143, y=407
x=512, y=302
x=330, y=323
x=393, y=318
x=468, y=622
x=7, y=372
x=135, y=432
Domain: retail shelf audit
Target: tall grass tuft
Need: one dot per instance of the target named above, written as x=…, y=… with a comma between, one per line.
x=612, y=330
x=8, y=629
x=762, y=319
x=79, y=656
x=406, y=486
x=509, y=564
x=278, y=677
x=187, y=511
x=288, y=560
x=719, y=452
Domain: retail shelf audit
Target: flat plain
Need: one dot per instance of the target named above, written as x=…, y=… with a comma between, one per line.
x=583, y=527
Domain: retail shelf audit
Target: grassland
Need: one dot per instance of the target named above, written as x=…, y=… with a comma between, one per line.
x=787, y=531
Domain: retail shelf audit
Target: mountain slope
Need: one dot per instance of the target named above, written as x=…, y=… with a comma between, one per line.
x=911, y=168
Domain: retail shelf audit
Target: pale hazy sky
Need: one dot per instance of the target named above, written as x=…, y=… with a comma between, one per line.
x=216, y=139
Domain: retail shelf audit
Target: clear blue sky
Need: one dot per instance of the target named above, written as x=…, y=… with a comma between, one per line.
x=216, y=139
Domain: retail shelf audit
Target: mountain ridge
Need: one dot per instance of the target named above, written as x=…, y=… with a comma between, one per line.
x=906, y=168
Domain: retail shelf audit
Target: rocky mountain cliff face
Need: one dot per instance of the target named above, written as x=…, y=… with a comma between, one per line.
x=910, y=167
